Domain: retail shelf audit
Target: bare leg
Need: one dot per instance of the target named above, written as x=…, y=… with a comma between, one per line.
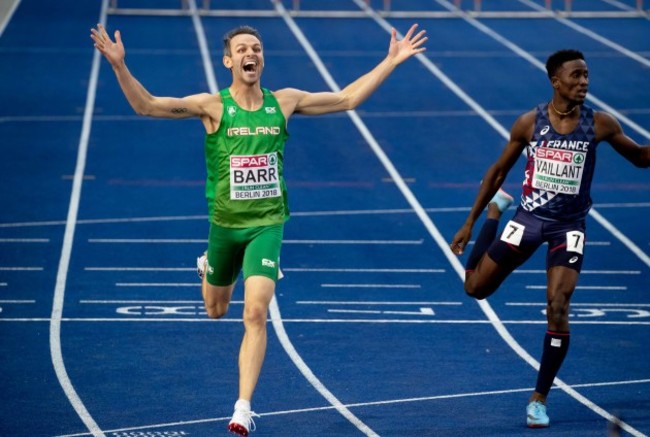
x=561, y=284
x=216, y=298
x=258, y=294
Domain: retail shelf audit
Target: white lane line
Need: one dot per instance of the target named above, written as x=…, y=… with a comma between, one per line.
x=593, y=35
x=141, y=269
x=586, y=272
x=157, y=284
x=145, y=302
x=622, y=205
x=106, y=220
x=203, y=48
x=148, y=240
x=582, y=287
x=619, y=5
x=364, y=302
x=288, y=269
x=293, y=214
x=369, y=404
x=205, y=241
x=277, y=320
x=21, y=269
x=356, y=242
x=370, y=286
x=278, y=325
x=621, y=237
x=527, y=56
x=8, y=10
x=274, y=308
x=442, y=243
x=24, y=240
x=335, y=270
x=143, y=319
x=617, y=305
x=66, y=251
x=422, y=312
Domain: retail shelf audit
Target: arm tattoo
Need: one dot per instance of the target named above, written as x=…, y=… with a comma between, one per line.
x=179, y=110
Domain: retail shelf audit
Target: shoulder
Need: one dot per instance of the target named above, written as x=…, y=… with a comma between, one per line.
x=204, y=98
x=528, y=117
x=211, y=104
x=605, y=125
x=211, y=108
x=289, y=94
x=204, y=101
x=524, y=125
x=289, y=99
x=604, y=118
x=211, y=99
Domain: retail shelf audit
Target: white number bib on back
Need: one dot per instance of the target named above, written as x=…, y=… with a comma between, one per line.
x=254, y=177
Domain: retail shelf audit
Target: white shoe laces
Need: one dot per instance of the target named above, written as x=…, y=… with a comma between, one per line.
x=245, y=418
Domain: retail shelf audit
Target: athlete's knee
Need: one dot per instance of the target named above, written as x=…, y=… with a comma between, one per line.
x=216, y=300
x=475, y=289
x=216, y=310
x=255, y=315
x=557, y=312
x=478, y=293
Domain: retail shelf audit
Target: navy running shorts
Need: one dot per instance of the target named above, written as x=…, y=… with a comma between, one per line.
x=523, y=235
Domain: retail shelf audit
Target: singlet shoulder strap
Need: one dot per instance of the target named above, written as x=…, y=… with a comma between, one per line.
x=225, y=94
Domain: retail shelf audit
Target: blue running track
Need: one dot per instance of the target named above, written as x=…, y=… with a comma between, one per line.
x=102, y=328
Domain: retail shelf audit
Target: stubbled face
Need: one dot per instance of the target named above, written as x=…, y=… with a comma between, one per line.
x=571, y=80
x=246, y=58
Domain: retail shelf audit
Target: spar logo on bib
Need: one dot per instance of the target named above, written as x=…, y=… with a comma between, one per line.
x=254, y=176
x=558, y=171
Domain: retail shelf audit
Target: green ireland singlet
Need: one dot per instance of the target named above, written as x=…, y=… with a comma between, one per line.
x=244, y=160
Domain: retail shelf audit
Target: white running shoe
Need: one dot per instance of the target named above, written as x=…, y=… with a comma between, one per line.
x=242, y=422
x=201, y=265
x=502, y=200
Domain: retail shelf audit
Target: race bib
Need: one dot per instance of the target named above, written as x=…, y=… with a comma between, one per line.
x=558, y=171
x=254, y=177
x=575, y=241
x=513, y=233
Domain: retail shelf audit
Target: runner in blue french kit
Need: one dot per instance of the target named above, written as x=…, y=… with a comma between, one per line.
x=560, y=139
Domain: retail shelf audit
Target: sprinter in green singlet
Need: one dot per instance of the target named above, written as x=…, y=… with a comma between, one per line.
x=247, y=202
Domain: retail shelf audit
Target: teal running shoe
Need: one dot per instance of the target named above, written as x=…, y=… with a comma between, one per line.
x=502, y=200
x=536, y=415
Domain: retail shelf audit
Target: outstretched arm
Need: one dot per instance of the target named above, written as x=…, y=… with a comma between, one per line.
x=610, y=130
x=358, y=91
x=139, y=98
x=520, y=135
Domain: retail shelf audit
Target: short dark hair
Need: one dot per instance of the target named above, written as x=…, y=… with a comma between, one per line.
x=241, y=30
x=555, y=61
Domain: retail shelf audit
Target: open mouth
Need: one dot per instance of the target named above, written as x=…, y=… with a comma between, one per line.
x=250, y=66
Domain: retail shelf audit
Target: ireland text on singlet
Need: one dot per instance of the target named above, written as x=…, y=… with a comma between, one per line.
x=244, y=160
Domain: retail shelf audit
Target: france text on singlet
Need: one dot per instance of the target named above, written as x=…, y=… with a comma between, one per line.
x=560, y=168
